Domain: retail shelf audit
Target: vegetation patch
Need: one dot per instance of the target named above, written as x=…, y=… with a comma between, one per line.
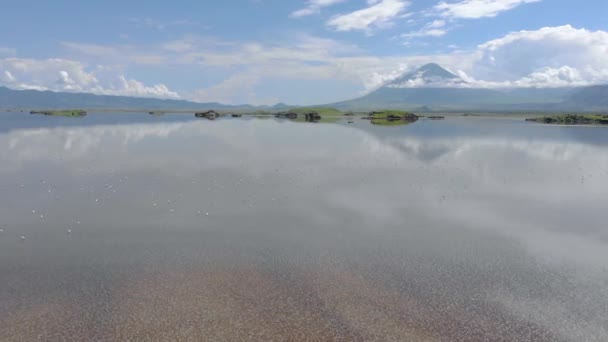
x=572, y=119
x=70, y=113
x=323, y=111
x=392, y=115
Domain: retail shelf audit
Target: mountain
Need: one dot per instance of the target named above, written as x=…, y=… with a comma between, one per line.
x=435, y=88
x=34, y=99
x=427, y=75
x=594, y=97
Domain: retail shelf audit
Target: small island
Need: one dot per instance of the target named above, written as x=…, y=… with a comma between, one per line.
x=572, y=119
x=311, y=114
x=70, y=113
x=210, y=115
x=392, y=118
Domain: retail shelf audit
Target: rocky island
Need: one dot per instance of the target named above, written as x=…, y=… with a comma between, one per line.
x=211, y=115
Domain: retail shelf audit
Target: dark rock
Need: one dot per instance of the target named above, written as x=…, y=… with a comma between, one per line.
x=313, y=117
x=287, y=115
x=211, y=115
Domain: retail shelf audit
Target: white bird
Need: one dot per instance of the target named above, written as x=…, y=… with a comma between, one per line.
x=22, y=237
x=69, y=231
x=1, y=230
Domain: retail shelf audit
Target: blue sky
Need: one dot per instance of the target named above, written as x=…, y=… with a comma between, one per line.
x=298, y=51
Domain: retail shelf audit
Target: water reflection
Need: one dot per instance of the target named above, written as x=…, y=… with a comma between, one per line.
x=267, y=229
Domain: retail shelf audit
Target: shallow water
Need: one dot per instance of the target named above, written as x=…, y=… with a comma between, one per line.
x=128, y=226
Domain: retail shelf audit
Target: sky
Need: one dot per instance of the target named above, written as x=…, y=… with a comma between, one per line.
x=298, y=52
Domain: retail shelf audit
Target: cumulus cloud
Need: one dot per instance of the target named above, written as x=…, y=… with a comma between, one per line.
x=73, y=76
x=474, y=9
x=557, y=55
x=313, y=7
x=378, y=14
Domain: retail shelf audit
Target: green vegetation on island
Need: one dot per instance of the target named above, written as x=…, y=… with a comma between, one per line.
x=393, y=115
x=392, y=118
x=70, y=113
x=573, y=119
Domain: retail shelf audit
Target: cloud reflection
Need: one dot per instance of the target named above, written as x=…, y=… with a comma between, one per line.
x=543, y=198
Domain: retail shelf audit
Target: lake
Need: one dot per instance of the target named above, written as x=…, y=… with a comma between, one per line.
x=127, y=226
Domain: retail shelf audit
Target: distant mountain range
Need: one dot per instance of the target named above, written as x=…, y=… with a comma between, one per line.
x=34, y=99
x=429, y=88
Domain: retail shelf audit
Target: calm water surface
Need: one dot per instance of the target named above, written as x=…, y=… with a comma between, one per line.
x=133, y=227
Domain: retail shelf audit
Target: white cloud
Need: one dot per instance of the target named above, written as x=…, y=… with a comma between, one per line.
x=131, y=87
x=162, y=25
x=474, y=9
x=435, y=28
x=378, y=14
x=74, y=76
x=448, y=13
x=561, y=54
x=313, y=7
x=8, y=77
x=120, y=53
x=7, y=52
x=231, y=90
x=179, y=45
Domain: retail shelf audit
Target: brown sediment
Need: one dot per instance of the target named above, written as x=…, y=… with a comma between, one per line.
x=314, y=302
x=317, y=305
x=54, y=320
